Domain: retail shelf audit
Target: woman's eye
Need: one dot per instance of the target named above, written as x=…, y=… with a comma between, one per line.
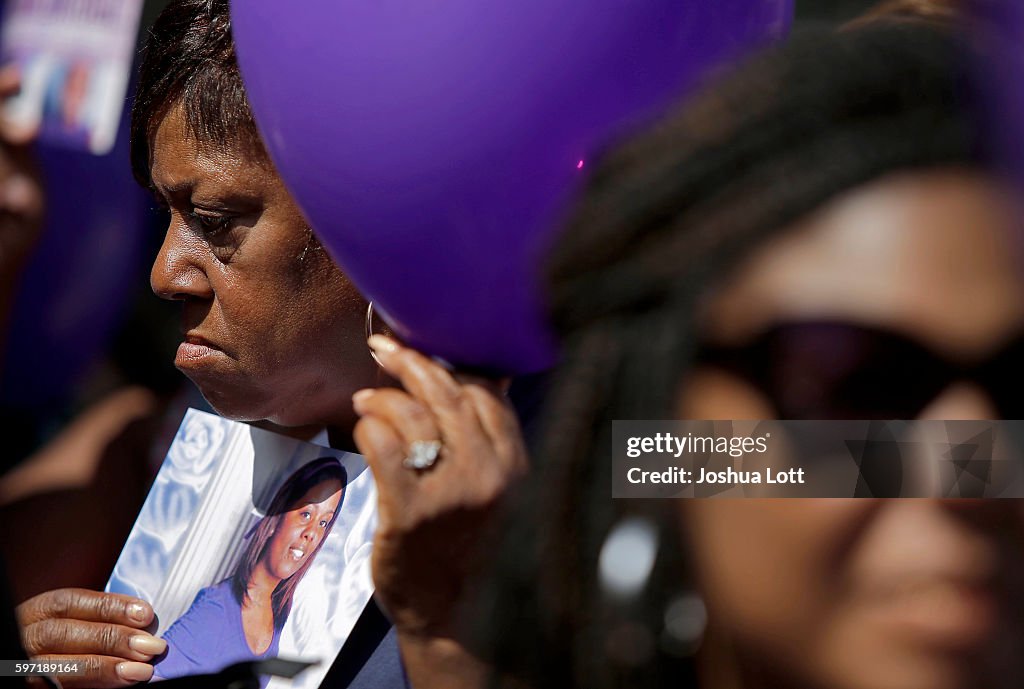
x=323, y=523
x=211, y=224
x=304, y=516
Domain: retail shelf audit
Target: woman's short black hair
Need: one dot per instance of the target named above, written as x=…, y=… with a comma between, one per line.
x=663, y=218
x=189, y=60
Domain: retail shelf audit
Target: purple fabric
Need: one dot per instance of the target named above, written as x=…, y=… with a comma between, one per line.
x=209, y=636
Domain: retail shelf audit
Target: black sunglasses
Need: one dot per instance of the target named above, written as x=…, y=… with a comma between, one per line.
x=834, y=370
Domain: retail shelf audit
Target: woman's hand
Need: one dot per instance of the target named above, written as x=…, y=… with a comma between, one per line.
x=432, y=521
x=103, y=632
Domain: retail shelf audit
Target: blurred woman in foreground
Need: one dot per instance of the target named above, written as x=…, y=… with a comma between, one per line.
x=834, y=185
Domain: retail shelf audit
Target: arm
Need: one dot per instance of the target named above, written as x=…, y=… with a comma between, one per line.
x=433, y=523
x=101, y=453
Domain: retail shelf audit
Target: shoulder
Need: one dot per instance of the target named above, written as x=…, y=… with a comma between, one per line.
x=220, y=593
x=195, y=638
x=211, y=601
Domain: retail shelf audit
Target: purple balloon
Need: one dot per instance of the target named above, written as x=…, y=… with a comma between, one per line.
x=999, y=34
x=91, y=260
x=435, y=147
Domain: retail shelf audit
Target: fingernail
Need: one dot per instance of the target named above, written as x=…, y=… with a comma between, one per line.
x=360, y=398
x=382, y=344
x=150, y=645
x=138, y=612
x=134, y=672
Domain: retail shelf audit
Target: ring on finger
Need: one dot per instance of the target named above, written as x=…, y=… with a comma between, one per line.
x=422, y=454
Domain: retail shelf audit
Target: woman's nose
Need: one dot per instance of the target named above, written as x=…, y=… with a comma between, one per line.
x=178, y=271
x=961, y=402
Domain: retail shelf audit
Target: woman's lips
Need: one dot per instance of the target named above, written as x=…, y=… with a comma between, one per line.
x=194, y=350
x=945, y=613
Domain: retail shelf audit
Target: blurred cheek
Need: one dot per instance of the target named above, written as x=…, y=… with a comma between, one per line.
x=771, y=571
x=283, y=535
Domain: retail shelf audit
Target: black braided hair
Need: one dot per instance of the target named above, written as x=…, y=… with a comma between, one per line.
x=937, y=12
x=663, y=217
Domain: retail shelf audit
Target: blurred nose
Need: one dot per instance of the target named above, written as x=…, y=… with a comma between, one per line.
x=961, y=402
x=968, y=402
x=179, y=270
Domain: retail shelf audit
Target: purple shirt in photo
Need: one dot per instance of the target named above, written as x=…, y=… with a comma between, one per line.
x=209, y=636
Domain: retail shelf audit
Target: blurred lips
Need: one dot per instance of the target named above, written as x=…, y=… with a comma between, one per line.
x=940, y=611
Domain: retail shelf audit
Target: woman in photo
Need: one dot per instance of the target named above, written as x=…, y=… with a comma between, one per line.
x=241, y=617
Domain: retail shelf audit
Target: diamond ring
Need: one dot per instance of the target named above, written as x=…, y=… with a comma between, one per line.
x=422, y=454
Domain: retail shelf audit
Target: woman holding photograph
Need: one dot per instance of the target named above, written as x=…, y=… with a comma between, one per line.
x=241, y=618
x=274, y=331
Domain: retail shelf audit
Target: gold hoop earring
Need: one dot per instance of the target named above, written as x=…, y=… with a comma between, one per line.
x=369, y=331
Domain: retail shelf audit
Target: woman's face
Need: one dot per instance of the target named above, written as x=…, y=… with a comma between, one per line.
x=272, y=329
x=301, y=529
x=859, y=594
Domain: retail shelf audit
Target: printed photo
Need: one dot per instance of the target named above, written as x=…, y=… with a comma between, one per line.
x=251, y=546
x=75, y=60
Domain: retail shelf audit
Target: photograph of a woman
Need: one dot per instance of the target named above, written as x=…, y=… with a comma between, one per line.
x=241, y=617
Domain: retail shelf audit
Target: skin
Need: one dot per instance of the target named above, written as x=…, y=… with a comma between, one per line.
x=104, y=632
x=76, y=89
x=274, y=331
x=303, y=527
x=804, y=591
x=439, y=515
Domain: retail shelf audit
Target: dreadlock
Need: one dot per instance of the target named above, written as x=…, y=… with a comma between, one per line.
x=663, y=217
x=937, y=12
